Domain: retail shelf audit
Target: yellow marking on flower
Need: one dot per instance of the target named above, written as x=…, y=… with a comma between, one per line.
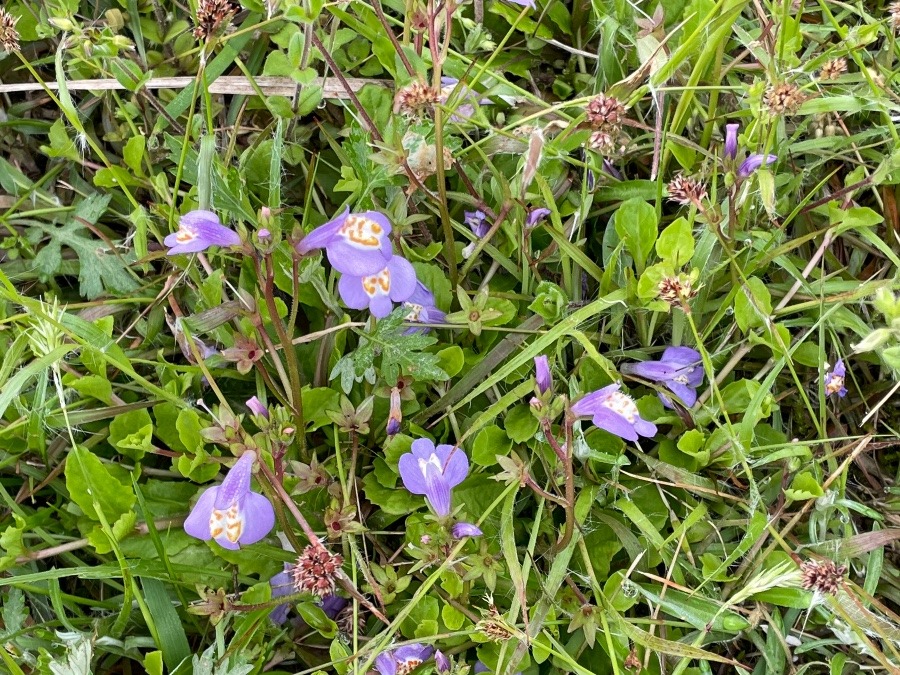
x=185, y=234
x=834, y=385
x=415, y=311
x=408, y=666
x=377, y=284
x=217, y=523
x=234, y=524
x=622, y=404
x=362, y=232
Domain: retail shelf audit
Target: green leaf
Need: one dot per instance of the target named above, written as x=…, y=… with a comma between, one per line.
x=676, y=243
x=752, y=304
x=89, y=482
x=636, y=225
x=132, y=433
x=490, y=442
x=803, y=487
x=60, y=143
x=520, y=424
x=133, y=153
x=100, y=268
x=309, y=99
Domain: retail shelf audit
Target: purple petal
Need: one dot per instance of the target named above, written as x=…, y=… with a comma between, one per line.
x=197, y=231
x=380, y=306
x=362, y=245
x=257, y=408
x=281, y=585
x=441, y=662
x=402, y=280
x=350, y=288
x=687, y=394
x=421, y=295
x=423, y=448
x=461, y=530
x=480, y=668
x=524, y=3
x=455, y=465
x=259, y=518
x=645, y=428
x=477, y=222
x=332, y=605
x=437, y=491
x=615, y=424
x=731, y=140
x=349, y=260
x=542, y=373
x=681, y=356
x=657, y=371
x=414, y=652
x=385, y=664
x=536, y=216
x=753, y=162
x=197, y=522
x=323, y=235
x=237, y=481
x=587, y=405
x=411, y=474
x=839, y=368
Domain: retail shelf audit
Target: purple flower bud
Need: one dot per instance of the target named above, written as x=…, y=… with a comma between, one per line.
x=433, y=472
x=536, y=216
x=441, y=662
x=263, y=234
x=731, y=140
x=753, y=162
x=460, y=530
x=257, y=408
x=542, y=373
x=402, y=660
x=197, y=231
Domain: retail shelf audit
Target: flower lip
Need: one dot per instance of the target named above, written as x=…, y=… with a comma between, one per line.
x=355, y=243
x=615, y=412
x=197, y=231
x=834, y=380
x=395, y=282
x=536, y=216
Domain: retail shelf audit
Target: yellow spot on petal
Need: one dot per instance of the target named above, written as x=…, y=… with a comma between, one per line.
x=185, y=234
x=378, y=284
x=362, y=232
x=622, y=404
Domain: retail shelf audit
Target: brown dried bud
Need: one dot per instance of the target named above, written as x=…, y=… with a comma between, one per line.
x=416, y=99
x=9, y=36
x=894, y=13
x=316, y=570
x=822, y=576
x=211, y=15
x=632, y=662
x=784, y=98
x=833, y=69
x=605, y=113
x=686, y=190
x=676, y=290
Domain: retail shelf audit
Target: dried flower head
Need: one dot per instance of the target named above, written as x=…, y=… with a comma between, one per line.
x=603, y=142
x=632, y=662
x=894, y=14
x=493, y=626
x=833, y=69
x=822, y=576
x=784, y=98
x=315, y=570
x=676, y=290
x=605, y=113
x=211, y=15
x=686, y=190
x=9, y=36
x=416, y=99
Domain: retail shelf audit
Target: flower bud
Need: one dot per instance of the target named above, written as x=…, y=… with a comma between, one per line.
x=460, y=530
x=441, y=662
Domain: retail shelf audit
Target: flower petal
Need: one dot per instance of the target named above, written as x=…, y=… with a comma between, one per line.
x=403, y=278
x=657, y=371
x=587, y=405
x=197, y=522
x=237, y=481
x=351, y=291
x=380, y=306
x=385, y=664
x=456, y=466
x=681, y=356
x=437, y=491
x=323, y=235
x=411, y=474
x=259, y=518
x=542, y=373
x=753, y=162
x=731, y=140
x=645, y=428
x=208, y=228
x=460, y=530
x=615, y=424
x=687, y=394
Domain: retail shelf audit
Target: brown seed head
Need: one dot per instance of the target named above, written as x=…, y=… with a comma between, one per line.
x=784, y=98
x=211, y=15
x=9, y=36
x=686, y=190
x=676, y=290
x=833, y=69
x=416, y=99
x=894, y=15
x=632, y=662
x=822, y=575
x=605, y=113
x=315, y=570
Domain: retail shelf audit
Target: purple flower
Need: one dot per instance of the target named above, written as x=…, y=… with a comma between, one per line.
x=731, y=140
x=402, y=660
x=615, y=412
x=536, y=216
x=257, y=408
x=231, y=513
x=542, y=373
x=611, y=170
x=679, y=369
x=477, y=222
x=460, y=530
x=422, y=308
x=197, y=231
x=753, y=162
x=394, y=282
x=433, y=472
x=356, y=243
x=834, y=380
x=281, y=585
x=332, y=605
x=441, y=662
x=466, y=108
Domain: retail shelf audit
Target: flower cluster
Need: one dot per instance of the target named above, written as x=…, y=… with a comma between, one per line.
x=231, y=513
x=358, y=245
